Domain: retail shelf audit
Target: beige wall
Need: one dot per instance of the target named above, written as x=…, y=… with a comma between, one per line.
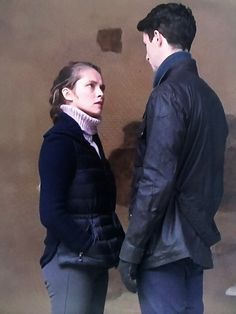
x=37, y=37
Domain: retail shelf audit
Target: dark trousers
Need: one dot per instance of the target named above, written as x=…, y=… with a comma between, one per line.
x=170, y=289
x=75, y=290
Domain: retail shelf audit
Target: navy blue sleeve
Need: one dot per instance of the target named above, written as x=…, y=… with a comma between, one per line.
x=57, y=165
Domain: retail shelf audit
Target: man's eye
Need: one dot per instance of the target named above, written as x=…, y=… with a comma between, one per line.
x=102, y=87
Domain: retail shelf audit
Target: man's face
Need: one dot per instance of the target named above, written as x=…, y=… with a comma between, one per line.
x=152, y=49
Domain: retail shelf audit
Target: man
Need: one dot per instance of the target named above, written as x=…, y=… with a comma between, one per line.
x=178, y=181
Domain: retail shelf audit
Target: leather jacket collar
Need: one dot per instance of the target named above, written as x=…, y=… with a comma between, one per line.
x=168, y=63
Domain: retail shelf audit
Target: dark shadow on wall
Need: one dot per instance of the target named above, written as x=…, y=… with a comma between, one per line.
x=229, y=199
x=122, y=163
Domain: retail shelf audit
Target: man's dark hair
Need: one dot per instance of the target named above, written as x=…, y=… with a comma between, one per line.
x=174, y=21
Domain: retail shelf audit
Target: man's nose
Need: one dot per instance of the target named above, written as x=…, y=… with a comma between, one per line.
x=147, y=57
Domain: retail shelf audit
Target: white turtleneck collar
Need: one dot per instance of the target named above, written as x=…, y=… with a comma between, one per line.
x=87, y=123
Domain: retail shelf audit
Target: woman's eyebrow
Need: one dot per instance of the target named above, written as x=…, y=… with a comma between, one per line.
x=92, y=81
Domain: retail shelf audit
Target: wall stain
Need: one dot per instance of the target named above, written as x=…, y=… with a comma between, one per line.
x=110, y=39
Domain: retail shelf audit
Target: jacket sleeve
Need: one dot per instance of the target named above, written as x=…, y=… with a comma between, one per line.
x=163, y=138
x=57, y=165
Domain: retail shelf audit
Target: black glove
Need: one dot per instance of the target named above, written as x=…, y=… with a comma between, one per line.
x=128, y=273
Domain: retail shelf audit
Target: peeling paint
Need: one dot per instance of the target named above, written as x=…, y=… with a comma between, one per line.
x=110, y=39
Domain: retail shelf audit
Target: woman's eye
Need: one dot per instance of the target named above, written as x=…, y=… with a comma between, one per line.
x=91, y=85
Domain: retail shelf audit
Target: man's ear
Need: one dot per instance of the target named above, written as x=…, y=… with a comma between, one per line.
x=157, y=36
x=67, y=94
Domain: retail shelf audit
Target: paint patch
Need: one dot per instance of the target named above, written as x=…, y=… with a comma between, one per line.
x=110, y=39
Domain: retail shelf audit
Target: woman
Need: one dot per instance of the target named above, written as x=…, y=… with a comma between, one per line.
x=77, y=196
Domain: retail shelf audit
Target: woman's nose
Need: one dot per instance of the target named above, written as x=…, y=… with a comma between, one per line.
x=100, y=92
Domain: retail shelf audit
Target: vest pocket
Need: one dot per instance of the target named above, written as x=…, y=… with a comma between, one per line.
x=107, y=234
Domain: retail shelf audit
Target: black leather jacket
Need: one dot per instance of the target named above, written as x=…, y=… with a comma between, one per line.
x=178, y=181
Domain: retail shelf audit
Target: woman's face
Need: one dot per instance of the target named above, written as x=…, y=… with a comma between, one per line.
x=87, y=93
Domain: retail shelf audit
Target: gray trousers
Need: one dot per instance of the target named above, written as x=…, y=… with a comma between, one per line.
x=74, y=290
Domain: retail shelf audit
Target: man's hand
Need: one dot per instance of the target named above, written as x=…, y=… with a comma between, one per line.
x=128, y=273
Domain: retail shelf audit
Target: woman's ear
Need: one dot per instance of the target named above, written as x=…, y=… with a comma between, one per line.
x=67, y=94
